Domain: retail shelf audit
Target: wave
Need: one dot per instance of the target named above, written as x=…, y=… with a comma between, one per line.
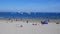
x=34, y=15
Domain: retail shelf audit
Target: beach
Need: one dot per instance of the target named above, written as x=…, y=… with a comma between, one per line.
x=22, y=27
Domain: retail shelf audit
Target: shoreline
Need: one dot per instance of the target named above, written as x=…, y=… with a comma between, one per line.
x=33, y=20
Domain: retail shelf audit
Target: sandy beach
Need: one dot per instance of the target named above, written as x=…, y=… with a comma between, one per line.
x=22, y=27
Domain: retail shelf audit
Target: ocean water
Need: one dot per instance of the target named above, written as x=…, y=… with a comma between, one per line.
x=32, y=15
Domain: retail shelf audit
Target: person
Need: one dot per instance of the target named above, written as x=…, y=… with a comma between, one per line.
x=27, y=21
x=57, y=23
x=16, y=20
x=21, y=25
x=11, y=21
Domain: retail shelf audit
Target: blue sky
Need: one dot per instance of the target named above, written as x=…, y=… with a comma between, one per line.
x=30, y=5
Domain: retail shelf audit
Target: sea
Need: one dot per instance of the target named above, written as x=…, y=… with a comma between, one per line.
x=31, y=15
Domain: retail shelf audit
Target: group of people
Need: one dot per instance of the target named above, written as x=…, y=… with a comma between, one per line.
x=42, y=22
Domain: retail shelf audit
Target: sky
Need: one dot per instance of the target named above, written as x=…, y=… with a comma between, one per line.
x=30, y=5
